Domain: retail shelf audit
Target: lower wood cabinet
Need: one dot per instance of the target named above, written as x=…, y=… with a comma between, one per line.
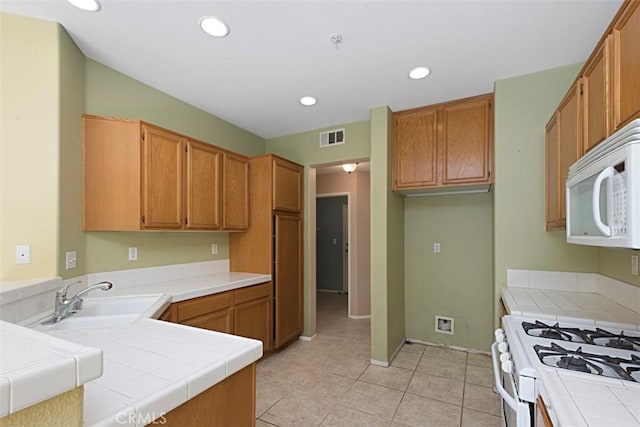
x=231, y=402
x=247, y=312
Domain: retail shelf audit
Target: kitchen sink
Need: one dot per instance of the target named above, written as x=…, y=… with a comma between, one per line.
x=84, y=322
x=107, y=312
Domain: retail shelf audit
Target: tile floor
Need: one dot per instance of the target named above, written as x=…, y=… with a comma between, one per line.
x=329, y=381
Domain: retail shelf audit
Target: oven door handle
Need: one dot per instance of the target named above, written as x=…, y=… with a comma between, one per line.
x=509, y=400
x=523, y=416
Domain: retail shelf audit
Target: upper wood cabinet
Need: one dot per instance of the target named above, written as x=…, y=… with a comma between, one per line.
x=626, y=64
x=596, y=97
x=138, y=176
x=443, y=145
x=202, y=186
x=287, y=185
x=563, y=148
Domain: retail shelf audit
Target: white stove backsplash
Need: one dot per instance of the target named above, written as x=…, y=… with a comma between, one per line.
x=620, y=292
x=22, y=300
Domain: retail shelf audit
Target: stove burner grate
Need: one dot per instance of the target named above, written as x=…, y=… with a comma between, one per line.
x=599, y=337
x=597, y=364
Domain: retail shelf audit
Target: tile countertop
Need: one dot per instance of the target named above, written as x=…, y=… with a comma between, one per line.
x=40, y=366
x=576, y=402
x=187, y=288
x=150, y=366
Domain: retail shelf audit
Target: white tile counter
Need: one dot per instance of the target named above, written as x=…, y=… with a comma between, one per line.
x=572, y=297
x=152, y=367
x=35, y=367
x=578, y=402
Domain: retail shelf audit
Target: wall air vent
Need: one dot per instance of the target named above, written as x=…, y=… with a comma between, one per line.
x=331, y=138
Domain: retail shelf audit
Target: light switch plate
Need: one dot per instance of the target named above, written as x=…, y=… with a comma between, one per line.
x=133, y=253
x=634, y=265
x=436, y=247
x=214, y=248
x=70, y=259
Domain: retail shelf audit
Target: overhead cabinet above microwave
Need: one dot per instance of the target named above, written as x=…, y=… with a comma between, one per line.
x=137, y=176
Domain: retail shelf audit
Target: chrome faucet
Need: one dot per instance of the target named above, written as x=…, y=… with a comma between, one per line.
x=65, y=306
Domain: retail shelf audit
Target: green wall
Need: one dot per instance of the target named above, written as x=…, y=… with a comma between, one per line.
x=616, y=263
x=458, y=281
x=524, y=105
x=111, y=93
x=387, y=244
x=72, y=94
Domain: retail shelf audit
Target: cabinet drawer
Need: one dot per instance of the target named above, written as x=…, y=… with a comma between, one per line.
x=203, y=305
x=251, y=293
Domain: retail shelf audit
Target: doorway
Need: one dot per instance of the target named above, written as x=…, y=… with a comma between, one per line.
x=332, y=243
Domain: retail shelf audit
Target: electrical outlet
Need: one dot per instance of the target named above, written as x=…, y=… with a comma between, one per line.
x=634, y=265
x=214, y=248
x=133, y=253
x=23, y=254
x=436, y=247
x=70, y=259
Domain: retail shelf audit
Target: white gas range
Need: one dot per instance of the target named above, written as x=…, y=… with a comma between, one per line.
x=527, y=347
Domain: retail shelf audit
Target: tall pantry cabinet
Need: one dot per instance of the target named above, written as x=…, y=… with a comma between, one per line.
x=273, y=244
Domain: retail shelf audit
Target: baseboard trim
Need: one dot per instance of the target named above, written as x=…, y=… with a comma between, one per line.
x=306, y=338
x=368, y=316
x=393, y=356
x=452, y=347
x=332, y=291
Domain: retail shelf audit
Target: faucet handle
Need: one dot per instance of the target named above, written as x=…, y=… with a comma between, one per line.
x=62, y=293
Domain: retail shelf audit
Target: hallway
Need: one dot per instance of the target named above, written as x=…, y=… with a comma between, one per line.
x=330, y=382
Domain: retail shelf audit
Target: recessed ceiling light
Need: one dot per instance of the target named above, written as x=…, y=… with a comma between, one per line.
x=308, y=101
x=86, y=5
x=214, y=27
x=419, y=73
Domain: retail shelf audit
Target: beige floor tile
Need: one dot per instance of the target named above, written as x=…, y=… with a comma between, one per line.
x=342, y=416
x=299, y=409
x=482, y=399
x=480, y=376
x=479, y=359
x=411, y=347
x=260, y=423
x=348, y=367
x=438, y=388
x=471, y=418
x=355, y=350
x=442, y=353
x=442, y=368
x=267, y=395
x=406, y=360
x=373, y=399
x=326, y=386
x=392, y=377
x=420, y=411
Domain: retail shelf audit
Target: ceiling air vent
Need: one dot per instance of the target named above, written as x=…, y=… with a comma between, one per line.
x=331, y=138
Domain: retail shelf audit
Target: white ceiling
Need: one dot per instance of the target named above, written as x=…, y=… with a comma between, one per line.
x=278, y=51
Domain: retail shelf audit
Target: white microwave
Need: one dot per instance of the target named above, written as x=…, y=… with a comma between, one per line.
x=603, y=193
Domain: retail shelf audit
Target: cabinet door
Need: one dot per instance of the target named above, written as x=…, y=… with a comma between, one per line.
x=235, y=192
x=626, y=59
x=287, y=186
x=595, y=98
x=220, y=321
x=465, y=141
x=569, y=125
x=161, y=178
x=253, y=320
x=552, y=160
x=202, y=186
x=414, y=149
x=288, y=278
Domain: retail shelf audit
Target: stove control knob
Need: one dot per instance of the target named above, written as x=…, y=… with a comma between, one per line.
x=505, y=356
x=503, y=347
x=507, y=366
x=499, y=335
x=499, y=331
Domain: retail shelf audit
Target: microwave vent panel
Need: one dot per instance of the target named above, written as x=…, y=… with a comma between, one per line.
x=331, y=138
